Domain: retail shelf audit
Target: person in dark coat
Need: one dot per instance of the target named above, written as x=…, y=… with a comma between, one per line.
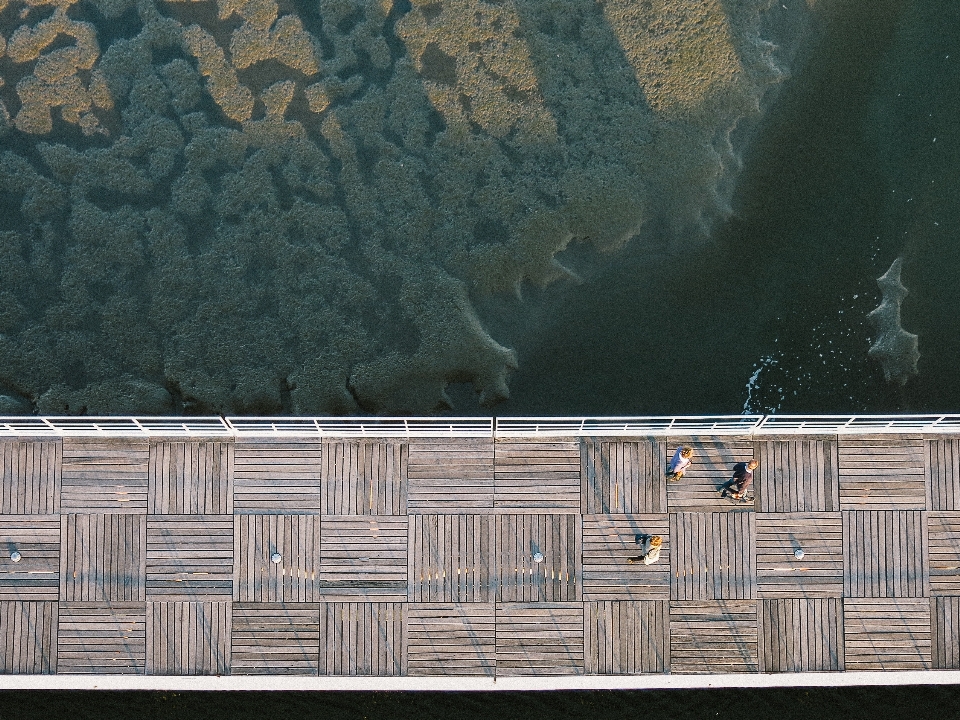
x=742, y=477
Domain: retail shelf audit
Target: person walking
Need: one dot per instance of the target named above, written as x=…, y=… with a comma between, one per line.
x=738, y=484
x=679, y=463
x=649, y=549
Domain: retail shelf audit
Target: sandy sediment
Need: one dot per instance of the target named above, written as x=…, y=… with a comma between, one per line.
x=241, y=207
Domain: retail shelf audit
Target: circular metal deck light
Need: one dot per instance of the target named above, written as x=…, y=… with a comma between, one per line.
x=538, y=557
x=276, y=558
x=16, y=556
x=798, y=554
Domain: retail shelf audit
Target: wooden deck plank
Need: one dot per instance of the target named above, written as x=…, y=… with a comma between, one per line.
x=712, y=465
x=558, y=577
x=713, y=556
x=944, y=552
x=101, y=638
x=452, y=476
x=275, y=638
x=609, y=542
x=451, y=638
x=801, y=635
x=887, y=553
x=540, y=639
x=797, y=475
x=363, y=638
x=626, y=637
x=887, y=634
x=363, y=557
x=277, y=476
x=191, y=478
x=31, y=477
x=451, y=558
x=943, y=474
x=364, y=478
x=713, y=636
x=296, y=577
x=882, y=473
x=105, y=476
x=103, y=557
x=818, y=574
x=189, y=557
x=531, y=476
x=622, y=476
x=188, y=638
x=37, y=575
x=28, y=637
x=945, y=632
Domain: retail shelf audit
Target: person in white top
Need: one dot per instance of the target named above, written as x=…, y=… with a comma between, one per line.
x=649, y=549
x=679, y=463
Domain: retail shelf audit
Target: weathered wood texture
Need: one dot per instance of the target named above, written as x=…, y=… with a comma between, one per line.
x=363, y=557
x=191, y=478
x=626, y=637
x=945, y=632
x=275, y=638
x=257, y=578
x=30, y=483
x=451, y=639
x=189, y=557
x=622, y=476
x=451, y=558
x=102, y=638
x=557, y=577
x=801, y=635
x=188, y=638
x=609, y=542
x=37, y=539
x=943, y=474
x=712, y=465
x=713, y=556
x=28, y=637
x=455, y=477
x=885, y=553
x=536, y=476
x=363, y=638
x=944, y=565
x=364, y=478
x=713, y=636
x=882, y=473
x=540, y=639
x=277, y=476
x=886, y=634
x=797, y=476
x=103, y=557
x=104, y=476
x=819, y=573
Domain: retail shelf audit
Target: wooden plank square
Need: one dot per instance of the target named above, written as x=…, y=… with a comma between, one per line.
x=37, y=575
x=296, y=539
x=801, y=635
x=450, y=476
x=189, y=557
x=451, y=639
x=557, y=577
x=712, y=465
x=542, y=476
x=104, y=476
x=943, y=474
x=451, y=558
x=103, y=557
x=623, y=476
x=277, y=476
x=539, y=639
x=713, y=636
x=886, y=634
x=943, y=530
x=188, y=638
x=28, y=638
x=797, y=475
x=945, y=632
x=885, y=553
x=275, y=639
x=882, y=473
x=626, y=637
x=713, y=556
x=609, y=542
x=363, y=638
x=363, y=557
x=102, y=638
x=30, y=482
x=780, y=573
x=362, y=477
x=191, y=478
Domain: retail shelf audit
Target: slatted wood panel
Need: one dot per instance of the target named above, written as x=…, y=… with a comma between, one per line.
x=622, y=477
x=277, y=476
x=943, y=474
x=541, y=476
x=626, y=637
x=944, y=555
x=30, y=483
x=713, y=636
x=191, y=478
x=275, y=639
x=451, y=558
x=188, y=638
x=713, y=556
x=363, y=638
x=885, y=553
x=882, y=473
x=801, y=635
x=102, y=638
x=945, y=632
x=364, y=478
x=189, y=557
x=797, y=476
x=818, y=574
x=608, y=543
x=103, y=557
x=886, y=634
x=37, y=575
x=558, y=577
x=296, y=577
x=451, y=639
x=539, y=639
x=455, y=476
x=363, y=557
x=712, y=465
x=106, y=476
x=28, y=638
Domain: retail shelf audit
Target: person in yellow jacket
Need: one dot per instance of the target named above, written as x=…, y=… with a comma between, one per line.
x=649, y=548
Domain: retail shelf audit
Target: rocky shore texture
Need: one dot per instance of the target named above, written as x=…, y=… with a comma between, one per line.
x=263, y=206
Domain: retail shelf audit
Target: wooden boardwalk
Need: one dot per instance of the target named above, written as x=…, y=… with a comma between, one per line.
x=476, y=557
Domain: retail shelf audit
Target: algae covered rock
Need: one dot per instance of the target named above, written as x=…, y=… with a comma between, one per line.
x=893, y=347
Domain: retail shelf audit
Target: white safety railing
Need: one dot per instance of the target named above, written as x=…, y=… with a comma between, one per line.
x=627, y=426
x=113, y=426
x=362, y=426
x=862, y=424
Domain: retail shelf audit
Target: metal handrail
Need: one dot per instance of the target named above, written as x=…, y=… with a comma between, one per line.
x=862, y=424
x=363, y=426
x=626, y=426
